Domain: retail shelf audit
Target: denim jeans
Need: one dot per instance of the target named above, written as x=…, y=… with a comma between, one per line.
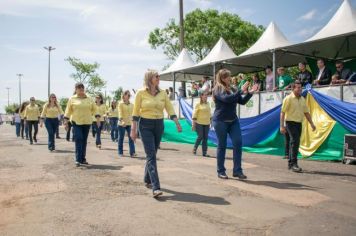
x=34, y=124
x=295, y=131
x=202, y=131
x=114, y=129
x=51, y=126
x=98, y=132
x=18, y=126
x=122, y=130
x=81, y=137
x=151, y=131
x=222, y=129
x=24, y=128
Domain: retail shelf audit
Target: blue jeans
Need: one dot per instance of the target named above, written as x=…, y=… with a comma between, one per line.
x=151, y=131
x=80, y=137
x=122, y=130
x=114, y=130
x=18, y=127
x=98, y=132
x=51, y=126
x=222, y=129
x=24, y=128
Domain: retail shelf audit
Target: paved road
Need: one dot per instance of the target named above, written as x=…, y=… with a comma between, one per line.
x=43, y=193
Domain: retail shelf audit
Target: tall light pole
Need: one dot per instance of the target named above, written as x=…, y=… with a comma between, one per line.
x=19, y=75
x=49, y=49
x=181, y=36
x=8, y=96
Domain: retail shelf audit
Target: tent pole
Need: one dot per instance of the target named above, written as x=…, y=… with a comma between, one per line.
x=274, y=67
x=214, y=72
x=174, y=85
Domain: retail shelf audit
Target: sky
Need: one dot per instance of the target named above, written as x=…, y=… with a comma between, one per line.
x=114, y=33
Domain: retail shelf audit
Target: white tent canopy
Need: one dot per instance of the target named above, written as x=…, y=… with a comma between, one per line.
x=271, y=38
x=343, y=22
x=336, y=40
x=183, y=61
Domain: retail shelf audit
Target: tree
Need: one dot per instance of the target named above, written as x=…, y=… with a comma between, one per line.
x=63, y=103
x=86, y=74
x=202, y=30
x=11, y=108
x=117, y=94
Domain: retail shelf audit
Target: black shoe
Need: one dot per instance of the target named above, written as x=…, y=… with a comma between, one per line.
x=148, y=185
x=194, y=151
x=31, y=143
x=240, y=176
x=296, y=168
x=35, y=139
x=58, y=137
x=223, y=176
x=85, y=163
x=206, y=155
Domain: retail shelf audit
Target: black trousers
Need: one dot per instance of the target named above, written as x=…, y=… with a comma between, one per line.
x=34, y=124
x=295, y=131
x=202, y=131
x=286, y=144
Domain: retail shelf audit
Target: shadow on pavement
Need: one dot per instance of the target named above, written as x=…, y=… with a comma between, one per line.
x=102, y=167
x=192, y=197
x=281, y=185
x=328, y=173
x=64, y=151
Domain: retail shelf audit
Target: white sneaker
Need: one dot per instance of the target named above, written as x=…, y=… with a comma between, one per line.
x=157, y=193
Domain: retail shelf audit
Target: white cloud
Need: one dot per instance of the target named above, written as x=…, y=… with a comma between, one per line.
x=307, y=31
x=309, y=15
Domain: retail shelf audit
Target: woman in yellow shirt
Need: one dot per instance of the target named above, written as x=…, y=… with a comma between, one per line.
x=125, y=121
x=32, y=115
x=51, y=111
x=201, y=123
x=24, y=126
x=148, y=110
x=113, y=115
x=80, y=110
x=98, y=124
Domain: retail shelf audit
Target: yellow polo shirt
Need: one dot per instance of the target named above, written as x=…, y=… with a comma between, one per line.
x=125, y=114
x=51, y=112
x=32, y=113
x=294, y=108
x=101, y=111
x=151, y=107
x=202, y=113
x=113, y=113
x=80, y=110
x=22, y=114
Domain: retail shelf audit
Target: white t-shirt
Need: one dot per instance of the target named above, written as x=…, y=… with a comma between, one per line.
x=17, y=118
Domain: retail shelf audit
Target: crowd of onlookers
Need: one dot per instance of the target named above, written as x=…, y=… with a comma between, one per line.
x=283, y=79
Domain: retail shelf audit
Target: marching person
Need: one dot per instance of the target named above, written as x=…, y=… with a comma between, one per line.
x=17, y=121
x=201, y=122
x=99, y=118
x=24, y=127
x=113, y=118
x=51, y=111
x=125, y=121
x=293, y=111
x=80, y=109
x=225, y=120
x=32, y=116
x=148, y=110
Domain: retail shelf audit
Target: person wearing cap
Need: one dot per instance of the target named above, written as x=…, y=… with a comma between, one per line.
x=80, y=110
x=150, y=101
x=201, y=123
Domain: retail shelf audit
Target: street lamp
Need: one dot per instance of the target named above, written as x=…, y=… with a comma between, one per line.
x=8, y=96
x=19, y=75
x=49, y=49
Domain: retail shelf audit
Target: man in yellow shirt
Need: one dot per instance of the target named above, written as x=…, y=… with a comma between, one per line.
x=293, y=111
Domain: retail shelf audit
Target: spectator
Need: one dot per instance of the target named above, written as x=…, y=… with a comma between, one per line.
x=256, y=80
x=304, y=76
x=324, y=74
x=284, y=80
x=269, y=79
x=195, y=89
x=234, y=83
x=342, y=72
x=336, y=79
x=171, y=93
x=242, y=80
x=205, y=88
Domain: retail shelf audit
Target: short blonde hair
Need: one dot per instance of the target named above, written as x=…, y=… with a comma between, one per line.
x=147, y=82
